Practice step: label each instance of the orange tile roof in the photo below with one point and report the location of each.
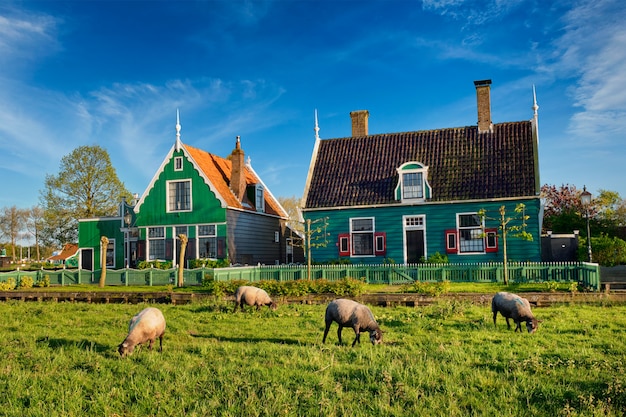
(217, 170)
(68, 251)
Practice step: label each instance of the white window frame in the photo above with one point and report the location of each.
(178, 163)
(418, 192)
(110, 249)
(354, 233)
(209, 234)
(171, 199)
(150, 239)
(476, 233)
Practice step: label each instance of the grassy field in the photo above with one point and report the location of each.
(60, 359)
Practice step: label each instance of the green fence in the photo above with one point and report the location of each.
(586, 274)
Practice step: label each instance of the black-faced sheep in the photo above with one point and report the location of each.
(145, 326)
(348, 313)
(252, 296)
(514, 307)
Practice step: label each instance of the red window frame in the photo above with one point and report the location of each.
(343, 244)
(382, 238)
(452, 241)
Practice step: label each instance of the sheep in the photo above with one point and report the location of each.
(145, 326)
(348, 313)
(252, 296)
(514, 307)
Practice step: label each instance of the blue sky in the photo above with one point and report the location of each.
(113, 73)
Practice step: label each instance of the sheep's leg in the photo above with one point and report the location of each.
(519, 326)
(508, 325)
(495, 313)
(161, 343)
(357, 337)
(150, 344)
(339, 334)
(328, 323)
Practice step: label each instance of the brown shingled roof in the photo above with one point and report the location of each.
(217, 170)
(463, 164)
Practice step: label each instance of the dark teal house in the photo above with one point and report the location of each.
(406, 196)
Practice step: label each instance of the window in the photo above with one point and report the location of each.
(179, 195)
(156, 243)
(412, 185)
(344, 244)
(259, 196)
(181, 230)
(110, 256)
(362, 236)
(207, 241)
(381, 243)
(178, 163)
(471, 237)
(276, 237)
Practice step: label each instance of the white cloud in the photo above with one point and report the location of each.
(593, 49)
(25, 37)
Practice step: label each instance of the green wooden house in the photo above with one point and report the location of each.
(407, 196)
(220, 205)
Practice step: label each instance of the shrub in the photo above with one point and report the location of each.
(7, 285)
(607, 251)
(434, 289)
(437, 258)
(155, 264)
(26, 282)
(208, 263)
(43, 282)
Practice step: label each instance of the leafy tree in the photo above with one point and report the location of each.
(292, 206)
(607, 251)
(86, 186)
(12, 222)
(505, 227)
(563, 209)
(611, 212)
(34, 226)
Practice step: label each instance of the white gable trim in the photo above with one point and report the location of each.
(166, 160)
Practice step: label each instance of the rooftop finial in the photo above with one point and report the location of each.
(535, 105)
(317, 128)
(177, 130)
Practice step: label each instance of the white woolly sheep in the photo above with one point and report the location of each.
(348, 313)
(145, 326)
(252, 296)
(514, 307)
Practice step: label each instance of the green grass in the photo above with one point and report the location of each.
(60, 359)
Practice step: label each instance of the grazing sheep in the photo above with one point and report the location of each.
(348, 313)
(144, 327)
(514, 307)
(252, 296)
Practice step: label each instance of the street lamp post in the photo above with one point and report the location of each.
(585, 198)
(127, 219)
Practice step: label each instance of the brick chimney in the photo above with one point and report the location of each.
(237, 173)
(359, 122)
(483, 98)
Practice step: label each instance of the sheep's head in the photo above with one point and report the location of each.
(376, 336)
(125, 348)
(273, 306)
(531, 325)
